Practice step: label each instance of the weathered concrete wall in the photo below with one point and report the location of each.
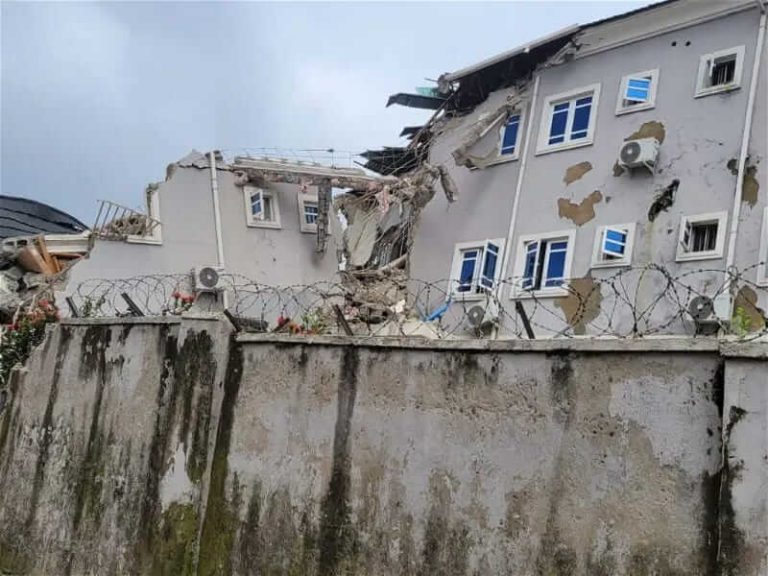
(744, 509)
(104, 445)
(164, 448)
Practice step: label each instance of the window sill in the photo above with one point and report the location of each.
(566, 146)
(519, 294)
(622, 111)
(701, 93)
(133, 239)
(307, 230)
(711, 255)
(503, 160)
(618, 264)
(272, 225)
(459, 297)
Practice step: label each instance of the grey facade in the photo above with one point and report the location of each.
(275, 253)
(574, 192)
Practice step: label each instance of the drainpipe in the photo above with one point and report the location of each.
(216, 210)
(737, 199)
(508, 248)
(217, 219)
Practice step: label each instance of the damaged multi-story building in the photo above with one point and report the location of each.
(598, 170)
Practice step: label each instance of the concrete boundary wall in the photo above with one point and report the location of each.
(169, 446)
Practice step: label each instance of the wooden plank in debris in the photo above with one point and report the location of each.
(31, 260)
(50, 261)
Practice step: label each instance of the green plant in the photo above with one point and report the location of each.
(741, 322)
(92, 307)
(22, 336)
(313, 323)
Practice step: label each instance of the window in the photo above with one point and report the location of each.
(702, 236)
(543, 264)
(762, 266)
(510, 133)
(308, 212)
(569, 119)
(637, 92)
(720, 71)
(476, 268)
(261, 208)
(613, 246)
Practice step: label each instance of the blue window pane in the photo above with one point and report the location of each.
(556, 266)
(580, 122)
(489, 265)
(614, 242)
(559, 120)
(556, 246)
(310, 214)
(510, 135)
(467, 271)
(255, 206)
(532, 252)
(561, 107)
(638, 89)
(584, 101)
(616, 236)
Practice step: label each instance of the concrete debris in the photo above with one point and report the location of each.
(461, 155)
(30, 266)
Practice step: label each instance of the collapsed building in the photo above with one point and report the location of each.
(609, 178)
(39, 244)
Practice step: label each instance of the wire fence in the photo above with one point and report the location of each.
(629, 302)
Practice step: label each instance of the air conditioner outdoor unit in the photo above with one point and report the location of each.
(483, 317)
(208, 278)
(709, 314)
(641, 152)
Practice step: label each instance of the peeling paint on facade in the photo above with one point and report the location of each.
(582, 305)
(582, 212)
(652, 129)
(576, 172)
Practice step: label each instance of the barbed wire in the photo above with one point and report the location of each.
(628, 302)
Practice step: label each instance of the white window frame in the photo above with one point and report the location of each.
(251, 220)
(155, 237)
(721, 218)
(543, 146)
(473, 293)
(520, 293)
(762, 267)
(705, 66)
(621, 108)
(303, 198)
(626, 259)
(520, 127)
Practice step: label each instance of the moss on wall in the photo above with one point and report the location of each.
(337, 535)
(13, 560)
(175, 546)
(221, 518)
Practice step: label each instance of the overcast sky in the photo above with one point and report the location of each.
(97, 98)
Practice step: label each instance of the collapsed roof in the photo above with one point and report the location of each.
(24, 217)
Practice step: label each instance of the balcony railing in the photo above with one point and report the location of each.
(116, 222)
